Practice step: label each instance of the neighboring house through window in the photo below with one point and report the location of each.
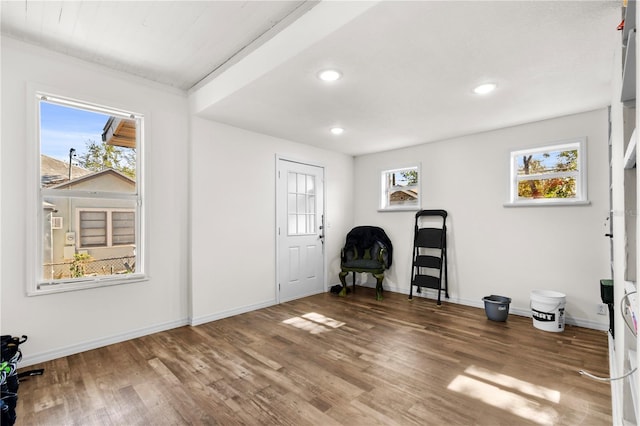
(90, 227)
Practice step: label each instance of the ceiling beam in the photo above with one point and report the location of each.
(314, 25)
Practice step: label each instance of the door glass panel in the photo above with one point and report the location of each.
(310, 184)
(292, 199)
(301, 203)
(292, 224)
(311, 205)
(291, 184)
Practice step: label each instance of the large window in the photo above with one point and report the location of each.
(89, 195)
(553, 174)
(400, 189)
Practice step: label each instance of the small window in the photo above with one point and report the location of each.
(553, 174)
(93, 229)
(123, 229)
(90, 202)
(106, 228)
(400, 189)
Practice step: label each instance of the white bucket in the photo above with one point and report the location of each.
(547, 310)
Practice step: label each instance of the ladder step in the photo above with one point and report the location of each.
(426, 281)
(423, 261)
(429, 238)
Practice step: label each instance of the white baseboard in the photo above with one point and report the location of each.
(433, 294)
(31, 359)
(231, 312)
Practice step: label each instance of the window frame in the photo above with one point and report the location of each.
(384, 203)
(36, 283)
(581, 198)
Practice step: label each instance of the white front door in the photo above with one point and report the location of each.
(300, 207)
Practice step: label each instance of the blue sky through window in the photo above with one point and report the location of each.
(549, 163)
(400, 179)
(63, 128)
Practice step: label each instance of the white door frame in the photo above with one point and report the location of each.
(278, 158)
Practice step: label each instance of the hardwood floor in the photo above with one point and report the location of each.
(325, 360)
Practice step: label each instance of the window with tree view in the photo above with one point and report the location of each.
(90, 198)
(550, 174)
(400, 189)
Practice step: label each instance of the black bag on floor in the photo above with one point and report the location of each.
(9, 382)
(10, 346)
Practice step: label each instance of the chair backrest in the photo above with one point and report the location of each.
(363, 240)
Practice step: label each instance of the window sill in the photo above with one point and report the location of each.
(399, 209)
(547, 203)
(84, 284)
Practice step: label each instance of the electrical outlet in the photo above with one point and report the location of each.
(602, 309)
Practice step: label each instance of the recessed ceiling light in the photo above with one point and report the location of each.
(337, 130)
(485, 88)
(329, 75)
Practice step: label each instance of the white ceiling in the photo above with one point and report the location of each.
(409, 67)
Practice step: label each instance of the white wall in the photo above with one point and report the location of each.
(197, 264)
(233, 215)
(493, 249)
(63, 323)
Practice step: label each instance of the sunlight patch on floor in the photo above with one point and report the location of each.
(511, 401)
(319, 318)
(513, 383)
(314, 323)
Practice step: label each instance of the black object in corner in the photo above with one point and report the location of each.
(430, 253)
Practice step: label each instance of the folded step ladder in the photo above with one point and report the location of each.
(430, 253)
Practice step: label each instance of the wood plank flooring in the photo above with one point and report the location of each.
(325, 360)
